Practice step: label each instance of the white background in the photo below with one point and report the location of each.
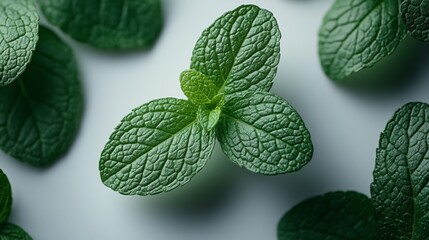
(68, 200)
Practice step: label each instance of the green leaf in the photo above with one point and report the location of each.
(333, 216)
(156, 148)
(415, 14)
(356, 34)
(40, 112)
(10, 231)
(208, 118)
(5, 197)
(19, 24)
(400, 190)
(197, 87)
(119, 24)
(240, 50)
(263, 133)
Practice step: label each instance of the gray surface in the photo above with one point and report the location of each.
(68, 201)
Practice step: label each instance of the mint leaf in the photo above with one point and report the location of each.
(197, 87)
(40, 112)
(156, 148)
(19, 25)
(120, 24)
(264, 134)
(164, 143)
(10, 231)
(208, 118)
(400, 190)
(415, 14)
(240, 50)
(333, 216)
(5, 197)
(356, 34)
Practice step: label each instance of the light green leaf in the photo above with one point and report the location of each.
(156, 148)
(119, 24)
(208, 118)
(197, 87)
(40, 112)
(333, 216)
(218, 100)
(240, 50)
(400, 190)
(5, 197)
(415, 14)
(263, 133)
(356, 34)
(10, 231)
(19, 24)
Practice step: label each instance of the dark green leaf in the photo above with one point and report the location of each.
(240, 50)
(356, 34)
(119, 24)
(333, 216)
(400, 190)
(12, 232)
(198, 87)
(40, 112)
(415, 14)
(5, 197)
(19, 24)
(156, 148)
(263, 133)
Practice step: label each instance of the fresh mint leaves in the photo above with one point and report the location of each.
(5, 197)
(42, 103)
(356, 34)
(162, 144)
(336, 216)
(40, 112)
(8, 231)
(119, 24)
(400, 192)
(156, 148)
(240, 51)
(19, 24)
(197, 87)
(415, 14)
(264, 134)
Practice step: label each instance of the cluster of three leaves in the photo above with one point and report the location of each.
(399, 208)
(40, 93)
(164, 143)
(8, 230)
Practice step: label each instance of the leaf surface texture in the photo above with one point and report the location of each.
(197, 87)
(333, 216)
(400, 190)
(156, 148)
(356, 34)
(118, 24)
(5, 197)
(240, 50)
(40, 112)
(264, 134)
(19, 24)
(13, 232)
(415, 14)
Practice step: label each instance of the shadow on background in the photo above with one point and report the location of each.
(393, 73)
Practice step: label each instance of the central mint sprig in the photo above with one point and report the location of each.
(162, 144)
